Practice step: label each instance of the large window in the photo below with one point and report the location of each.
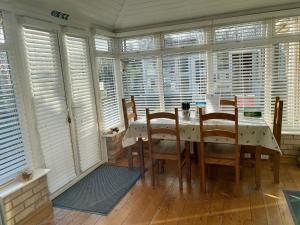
(108, 92)
(141, 79)
(229, 60)
(286, 82)
(12, 148)
(240, 73)
(185, 79)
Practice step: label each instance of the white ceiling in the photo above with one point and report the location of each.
(126, 14)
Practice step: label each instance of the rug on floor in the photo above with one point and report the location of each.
(100, 191)
(293, 200)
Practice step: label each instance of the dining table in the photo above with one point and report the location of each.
(253, 131)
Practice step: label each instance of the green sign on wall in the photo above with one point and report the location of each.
(60, 15)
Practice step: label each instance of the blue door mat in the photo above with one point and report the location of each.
(100, 191)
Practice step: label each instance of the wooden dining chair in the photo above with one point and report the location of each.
(167, 150)
(273, 155)
(215, 153)
(130, 114)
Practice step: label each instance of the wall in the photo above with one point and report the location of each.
(290, 144)
(26, 202)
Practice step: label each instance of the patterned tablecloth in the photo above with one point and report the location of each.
(252, 131)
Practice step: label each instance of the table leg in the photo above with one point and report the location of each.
(141, 157)
(276, 166)
(258, 167)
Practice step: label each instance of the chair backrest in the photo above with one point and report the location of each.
(229, 102)
(277, 123)
(129, 115)
(169, 130)
(214, 132)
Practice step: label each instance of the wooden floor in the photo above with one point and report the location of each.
(224, 204)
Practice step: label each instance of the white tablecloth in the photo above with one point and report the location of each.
(252, 131)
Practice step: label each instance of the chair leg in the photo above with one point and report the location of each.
(188, 160)
(276, 166)
(141, 158)
(237, 173)
(258, 167)
(161, 166)
(202, 169)
(152, 172)
(130, 158)
(179, 168)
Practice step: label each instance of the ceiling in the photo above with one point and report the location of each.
(127, 14)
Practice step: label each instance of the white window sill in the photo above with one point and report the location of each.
(121, 129)
(17, 185)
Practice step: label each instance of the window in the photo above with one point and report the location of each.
(240, 32)
(139, 44)
(108, 92)
(241, 73)
(289, 25)
(12, 147)
(286, 82)
(140, 79)
(185, 79)
(103, 44)
(186, 38)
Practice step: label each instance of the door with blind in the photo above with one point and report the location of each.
(48, 95)
(83, 101)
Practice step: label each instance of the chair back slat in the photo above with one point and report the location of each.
(219, 115)
(229, 102)
(162, 115)
(128, 116)
(277, 122)
(131, 116)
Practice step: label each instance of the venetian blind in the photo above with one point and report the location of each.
(50, 105)
(185, 38)
(140, 79)
(108, 92)
(285, 26)
(240, 32)
(103, 44)
(138, 44)
(83, 105)
(185, 79)
(286, 82)
(241, 73)
(12, 151)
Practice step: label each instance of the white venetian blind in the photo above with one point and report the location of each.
(285, 26)
(108, 93)
(286, 82)
(240, 32)
(50, 105)
(140, 79)
(138, 44)
(12, 151)
(103, 44)
(84, 107)
(185, 79)
(184, 38)
(241, 73)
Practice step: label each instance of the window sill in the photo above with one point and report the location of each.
(17, 185)
(105, 135)
(290, 132)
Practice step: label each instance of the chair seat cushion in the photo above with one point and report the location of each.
(225, 151)
(167, 147)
